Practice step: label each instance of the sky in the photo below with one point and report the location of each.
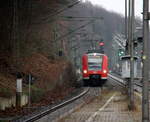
(118, 6)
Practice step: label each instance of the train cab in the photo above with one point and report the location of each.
(94, 68)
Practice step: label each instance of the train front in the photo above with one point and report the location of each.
(94, 68)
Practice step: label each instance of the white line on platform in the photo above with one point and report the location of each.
(138, 94)
(90, 119)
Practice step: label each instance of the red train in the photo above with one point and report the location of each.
(94, 68)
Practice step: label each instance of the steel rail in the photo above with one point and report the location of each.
(119, 80)
(48, 111)
(123, 82)
(137, 84)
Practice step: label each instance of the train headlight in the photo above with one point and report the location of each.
(104, 71)
(84, 71)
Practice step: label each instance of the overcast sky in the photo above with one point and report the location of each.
(118, 5)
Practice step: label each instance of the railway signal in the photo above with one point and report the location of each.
(121, 52)
(101, 44)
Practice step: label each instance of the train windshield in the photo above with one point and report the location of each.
(94, 62)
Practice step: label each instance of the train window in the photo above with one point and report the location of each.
(94, 62)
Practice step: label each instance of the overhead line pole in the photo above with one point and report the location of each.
(130, 52)
(127, 17)
(132, 58)
(126, 28)
(145, 57)
(129, 25)
(128, 46)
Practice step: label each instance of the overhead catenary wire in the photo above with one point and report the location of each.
(67, 34)
(53, 17)
(46, 19)
(82, 17)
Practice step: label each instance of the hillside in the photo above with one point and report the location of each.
(28, 29)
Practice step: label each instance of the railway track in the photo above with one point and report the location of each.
(103, 107)
(137, 86)
(35, 117)
(86, 91)
(123, 82)
(117, 80)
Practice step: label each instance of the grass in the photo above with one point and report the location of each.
(36, 93)
(5, 92)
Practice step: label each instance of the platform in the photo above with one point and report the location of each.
(113, 107)
(115, 110)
